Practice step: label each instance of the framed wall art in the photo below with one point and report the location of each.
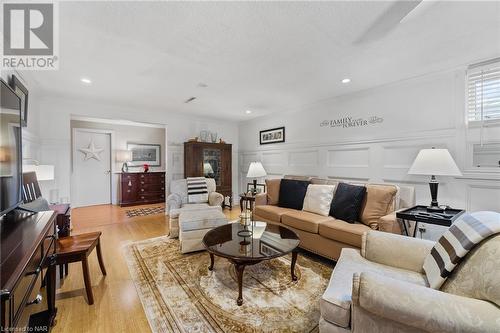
(273, 135)
(22, 92)
(145, 154)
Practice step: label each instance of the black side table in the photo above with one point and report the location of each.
(420, 214)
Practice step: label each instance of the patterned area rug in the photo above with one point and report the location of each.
(145, 211)
(179, 293)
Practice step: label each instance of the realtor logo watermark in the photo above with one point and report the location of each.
(30, 36)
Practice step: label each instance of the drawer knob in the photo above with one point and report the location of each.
(129, 183)
(38, 299)
(35, 272)
(142, 189)
(142, 197)
(142, 183)
(128, 191)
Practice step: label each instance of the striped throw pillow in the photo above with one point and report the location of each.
(468, 231)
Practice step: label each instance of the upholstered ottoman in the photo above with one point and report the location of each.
(194, 224)
(174, 215)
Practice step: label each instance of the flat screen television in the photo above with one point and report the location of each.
(11, 173)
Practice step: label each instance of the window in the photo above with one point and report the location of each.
(483, 91)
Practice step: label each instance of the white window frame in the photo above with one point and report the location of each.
(474, 70)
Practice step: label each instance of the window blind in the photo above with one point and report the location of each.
(483, 91)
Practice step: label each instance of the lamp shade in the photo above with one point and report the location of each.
(256, 170)
(434, 162)
(43, 172)
(207, 168)
(123, 155)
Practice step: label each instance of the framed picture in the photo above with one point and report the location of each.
(22, 92)
(273, 135)
(144, 154)
(261, 188)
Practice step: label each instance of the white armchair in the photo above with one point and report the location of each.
(383, 288)
(177, 201)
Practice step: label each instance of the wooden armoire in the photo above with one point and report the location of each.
(211, 160)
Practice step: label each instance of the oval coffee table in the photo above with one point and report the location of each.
(263, 241)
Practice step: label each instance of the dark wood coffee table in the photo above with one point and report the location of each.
(268, 241)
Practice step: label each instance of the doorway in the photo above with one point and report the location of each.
(91, 177)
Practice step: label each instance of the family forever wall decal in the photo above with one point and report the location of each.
(348, 122)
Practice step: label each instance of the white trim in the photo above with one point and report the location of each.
(116, 121)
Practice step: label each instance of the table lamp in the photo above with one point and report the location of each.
(255, 170)
(434, 162)
(124, 156)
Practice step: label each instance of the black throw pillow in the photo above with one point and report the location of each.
(292, 193)
(347, 202)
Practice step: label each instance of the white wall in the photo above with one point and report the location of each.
(418, 113)
(55, 134)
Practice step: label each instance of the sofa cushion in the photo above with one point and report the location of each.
(273, 191)
(270, 212)
(304, 220)
(318, 199)
(335, 304)
(341, 231)
(379, 201)
(292, 193)
(347, 202)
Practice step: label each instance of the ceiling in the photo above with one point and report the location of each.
(261, 56)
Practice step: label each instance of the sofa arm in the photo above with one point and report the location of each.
(390, 223)
(174, 201)
(422, 307)
(261, 199)
(215, 199)
(395, 250)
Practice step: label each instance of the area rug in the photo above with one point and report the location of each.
(145, 211)
(179, 293)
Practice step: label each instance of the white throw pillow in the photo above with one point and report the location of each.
(318, 199)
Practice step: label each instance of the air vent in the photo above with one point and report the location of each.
(189, 100)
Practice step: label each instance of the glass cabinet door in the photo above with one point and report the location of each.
(212, 164)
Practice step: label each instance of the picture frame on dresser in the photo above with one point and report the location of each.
(144, 153)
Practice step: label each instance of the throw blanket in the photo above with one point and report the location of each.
(456, 242)
(197, 190)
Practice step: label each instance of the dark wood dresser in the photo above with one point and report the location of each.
(138, 188)
(28, 255)
(212, 160)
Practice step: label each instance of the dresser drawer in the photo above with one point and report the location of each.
(152, 188)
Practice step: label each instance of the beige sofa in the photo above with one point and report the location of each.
(326, 235)
(380, 289)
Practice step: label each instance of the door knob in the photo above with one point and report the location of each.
(107, 172)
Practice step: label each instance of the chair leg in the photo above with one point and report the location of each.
(61, 271)
(86, 279)
(66, 269)
(99, 257)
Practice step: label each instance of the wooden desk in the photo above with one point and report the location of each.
(27, 248)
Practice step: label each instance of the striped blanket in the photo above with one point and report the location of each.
(456, 242)
(197, 190)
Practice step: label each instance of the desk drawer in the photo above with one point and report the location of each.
(23, 289)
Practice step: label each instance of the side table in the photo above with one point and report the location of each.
(247, 201)
(420, 214)
(63, 220)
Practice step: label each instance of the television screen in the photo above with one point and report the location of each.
(10, 149)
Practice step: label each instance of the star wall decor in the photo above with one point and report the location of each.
(92, 152)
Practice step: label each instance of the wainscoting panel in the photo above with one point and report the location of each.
(378, 161)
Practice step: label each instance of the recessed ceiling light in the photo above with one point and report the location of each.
(346, 80)
(202, 85)
(248, 111)
(86, 80)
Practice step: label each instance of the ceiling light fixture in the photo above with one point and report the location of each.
(248, 111)
(86, 80)
(346, 80)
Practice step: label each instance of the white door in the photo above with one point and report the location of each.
(91, 168)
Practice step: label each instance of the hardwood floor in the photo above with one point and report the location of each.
(117, 307)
